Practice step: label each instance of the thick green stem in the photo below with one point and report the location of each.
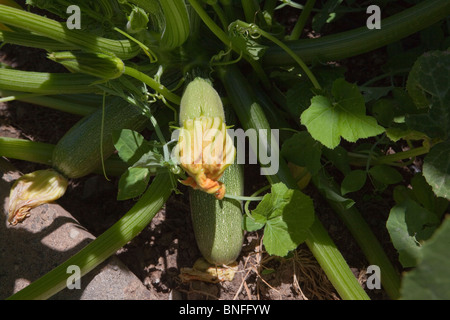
(221, 15)
(321, 245)
(124, 230)
(351, 43)
(363, 235)
(31, 40)
(40, 152)
(26, 150)
(300, 24)
(123, 49)
(399, 156)
(60, 103)
(46, 83)
(390, 159)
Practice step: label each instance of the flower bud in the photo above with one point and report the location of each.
(200, 99)
(32, 190)
(95, 64)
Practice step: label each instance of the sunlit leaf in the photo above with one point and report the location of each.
(327, 121)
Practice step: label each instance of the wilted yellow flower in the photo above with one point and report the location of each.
(32, 190)
(204, 147)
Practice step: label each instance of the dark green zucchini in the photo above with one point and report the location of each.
(78, 152)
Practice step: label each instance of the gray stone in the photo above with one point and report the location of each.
(48, 237)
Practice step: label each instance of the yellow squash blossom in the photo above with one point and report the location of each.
(204, 147)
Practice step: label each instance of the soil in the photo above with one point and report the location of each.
(158, 253)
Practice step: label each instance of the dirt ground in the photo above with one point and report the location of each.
(158, 253)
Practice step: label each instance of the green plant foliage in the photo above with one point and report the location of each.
(143, 160)
(303, 151)
(430, 280)
(409, 224)
(344, 116)
(436, 169)
(353, 181)
(429, 87)
(286, 215)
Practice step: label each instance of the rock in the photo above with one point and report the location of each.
(48, 237)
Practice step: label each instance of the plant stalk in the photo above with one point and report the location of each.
(40, 152)
(60, 103)
(123, 49)
(354, 42)
(363, 235)
(158, 87)
(46, 83)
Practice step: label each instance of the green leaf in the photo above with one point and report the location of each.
(436, 169)
(429, 86)
(430, 280)
(425, 196)
(150, 160)
(374, 93)
(339, 158)
(133, 183)
(385, 174)
(397, 133)
(383, 111)
(346, 117)
(409, 224)
(435, 123)
(329, 191)
(298, 98)
(130, 145)
(300, 93)
(249, 224)
(302, 150)
(137, 20)
(287, 215)
(430, 75)
(353, 181)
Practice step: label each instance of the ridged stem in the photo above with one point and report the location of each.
(363, 235)
(46, 83)
(61, 103)
(40, 152)
(123, 49)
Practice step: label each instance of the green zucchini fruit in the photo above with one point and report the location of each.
(218, 223)
(78, 152)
